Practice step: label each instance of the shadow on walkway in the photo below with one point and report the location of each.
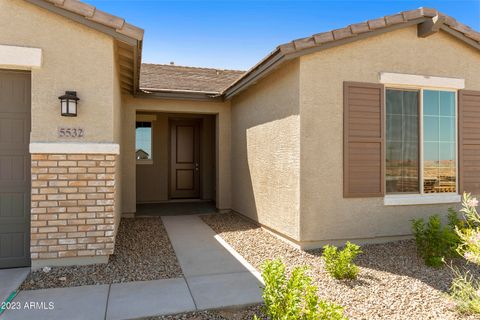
(175, 209)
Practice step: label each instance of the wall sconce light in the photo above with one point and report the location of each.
(68, 104)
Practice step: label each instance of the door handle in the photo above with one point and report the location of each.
(196, 166)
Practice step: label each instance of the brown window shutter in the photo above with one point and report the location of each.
(364, 143)
(469, 141)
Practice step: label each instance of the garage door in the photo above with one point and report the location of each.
(14, 169)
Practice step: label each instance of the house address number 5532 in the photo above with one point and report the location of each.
(71, 132)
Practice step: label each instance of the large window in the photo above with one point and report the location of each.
(420, 141)
(143, 142)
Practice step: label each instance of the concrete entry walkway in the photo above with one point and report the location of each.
(215, 277)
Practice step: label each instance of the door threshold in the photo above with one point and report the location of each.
(177, 201)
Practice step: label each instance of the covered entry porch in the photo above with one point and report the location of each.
(174, 152)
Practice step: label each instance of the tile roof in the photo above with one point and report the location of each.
(92, 13)
(157, 77)
(351, 32)
(161, 77)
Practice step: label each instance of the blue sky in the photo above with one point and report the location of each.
(237, 34)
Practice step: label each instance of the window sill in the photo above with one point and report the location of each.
(414, 199)
(144, 161)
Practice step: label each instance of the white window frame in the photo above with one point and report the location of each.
(145, 161)
(422, 197)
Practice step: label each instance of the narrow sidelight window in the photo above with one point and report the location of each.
(439, 135)
(402, 136)
(421, 144)
(143, 142)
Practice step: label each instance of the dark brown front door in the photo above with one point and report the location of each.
(14, 169)
(184, 159)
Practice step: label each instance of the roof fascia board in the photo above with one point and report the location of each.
(153, 90)
(137, 53)
(80, 19)
(275, 62)
(460, 36)
(179, 96)
(262, 70)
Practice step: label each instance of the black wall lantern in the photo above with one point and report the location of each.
(68, 104)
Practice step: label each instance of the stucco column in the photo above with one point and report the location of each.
(223, 155)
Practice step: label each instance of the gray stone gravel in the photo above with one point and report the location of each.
(245, 313)
(393, 282)
(142, 252)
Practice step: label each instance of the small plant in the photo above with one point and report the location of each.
(469, 235)
(294, 297)
(434, 241)
(465, 290)
(339, 263)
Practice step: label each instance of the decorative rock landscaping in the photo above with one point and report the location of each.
(223, 314)
(393, 282)
(142, 252)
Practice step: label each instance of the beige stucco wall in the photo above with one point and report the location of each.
(266, 151)
(75, 57)
(117, 138)
(325, 214)
(221, 111)
(152, 179)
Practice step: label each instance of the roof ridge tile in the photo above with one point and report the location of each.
(107, 19)
(92, 13)
(79, 7)
(343, 33)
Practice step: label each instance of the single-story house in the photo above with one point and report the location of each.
(343, 135)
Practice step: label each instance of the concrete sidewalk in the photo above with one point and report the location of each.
(214, 277)
(10, 280)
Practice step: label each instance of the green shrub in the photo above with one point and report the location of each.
(435, 241)
(294, 297)
(339, 263)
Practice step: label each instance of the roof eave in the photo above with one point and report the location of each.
(133, 39)
(290, 51)
(179, 95)
(269, 63)
(130, 40)
(279, 56)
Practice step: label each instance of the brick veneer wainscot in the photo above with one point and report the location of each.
(72, 205)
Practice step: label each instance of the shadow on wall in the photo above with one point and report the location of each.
(265, 149)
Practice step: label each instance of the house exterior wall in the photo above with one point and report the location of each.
(74, 198)
(221, 111)
(266, 151)
(75, 57)
(327, 217)
(152, 180)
